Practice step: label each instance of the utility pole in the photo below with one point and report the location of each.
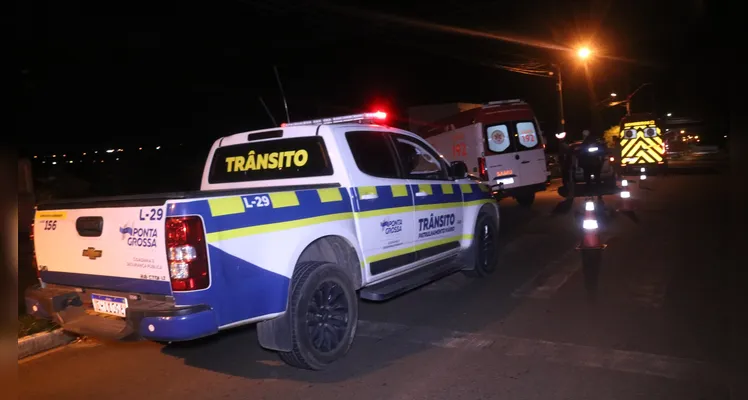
(560, 88)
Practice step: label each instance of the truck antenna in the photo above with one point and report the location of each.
(283, 95)
(267, 110)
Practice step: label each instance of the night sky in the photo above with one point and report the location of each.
(124, 74)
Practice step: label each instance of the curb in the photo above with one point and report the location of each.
(42, 341)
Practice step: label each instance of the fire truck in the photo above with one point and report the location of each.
(642, 144)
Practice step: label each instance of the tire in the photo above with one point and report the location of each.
(314, 284)
(526, 199)
(485, 247)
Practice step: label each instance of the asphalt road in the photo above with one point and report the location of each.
(655, 328)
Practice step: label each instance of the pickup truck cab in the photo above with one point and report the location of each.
(291, 226)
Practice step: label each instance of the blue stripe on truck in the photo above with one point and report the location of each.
(115, 283)
(310, 203)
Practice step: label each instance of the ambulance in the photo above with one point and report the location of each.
(501, 144)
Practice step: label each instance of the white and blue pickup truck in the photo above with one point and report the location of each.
(291, 226)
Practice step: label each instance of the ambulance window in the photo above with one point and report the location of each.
(498, 138)
(527, 137)
(373, 153)
(418, 160)
(270, 159)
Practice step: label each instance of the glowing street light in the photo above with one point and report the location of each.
(669, 114)
(613, 95)
(584, 53)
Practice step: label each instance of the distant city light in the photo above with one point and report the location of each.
(725, 136)
(84, 154)
(110, 151)
(117, 159)
(54, 162)
(54, 155)
(613, 95)
(35, 156)
(158, 147)
(682, 131)
(669, 114)
(140, 148)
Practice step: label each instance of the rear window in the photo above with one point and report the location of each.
(526, 135)
(273, 159)
(498, 138)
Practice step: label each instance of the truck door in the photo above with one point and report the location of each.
(384, 205)
(437, 199)
(530, 156)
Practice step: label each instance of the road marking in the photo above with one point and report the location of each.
(674, 368)
(547, 282)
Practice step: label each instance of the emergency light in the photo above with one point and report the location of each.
(371, 116)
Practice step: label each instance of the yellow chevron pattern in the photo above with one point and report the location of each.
(641, 149)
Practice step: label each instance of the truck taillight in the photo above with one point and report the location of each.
(482, 168)
(187, 253)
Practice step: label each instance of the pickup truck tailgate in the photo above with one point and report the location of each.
(111, 248)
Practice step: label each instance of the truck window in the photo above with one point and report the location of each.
(271, 159)
(527, 136)
(498, 138)
(373, 154)
(418, 160)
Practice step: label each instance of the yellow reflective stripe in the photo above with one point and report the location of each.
(364, 190)
(284, 199)
(644, 155)
(225, 206)
(420, 246)
(437, 206)
(278, 226)
(389, 254)
(384, 211)
(399, 190)
(483, 188)
(447, 188)
(329, 195)
(466, 188)
(625, 151)
(654, 153)
(425, 188)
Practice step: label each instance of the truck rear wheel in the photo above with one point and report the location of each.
(485, 247)
(324, 315)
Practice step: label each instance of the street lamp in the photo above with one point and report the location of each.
(669, 114)
(583, 53)
(613, 95)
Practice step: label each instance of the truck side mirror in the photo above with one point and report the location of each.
(458, 169)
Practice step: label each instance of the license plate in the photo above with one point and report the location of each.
(505, 181)
(109, 305)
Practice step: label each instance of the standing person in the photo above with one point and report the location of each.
(617, 169)
(591, 163)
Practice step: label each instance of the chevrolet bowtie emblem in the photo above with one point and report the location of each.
(91, 253)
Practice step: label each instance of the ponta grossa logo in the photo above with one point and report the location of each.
(139, 237)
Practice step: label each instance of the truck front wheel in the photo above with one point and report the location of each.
(485, 247)
(324, 315)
